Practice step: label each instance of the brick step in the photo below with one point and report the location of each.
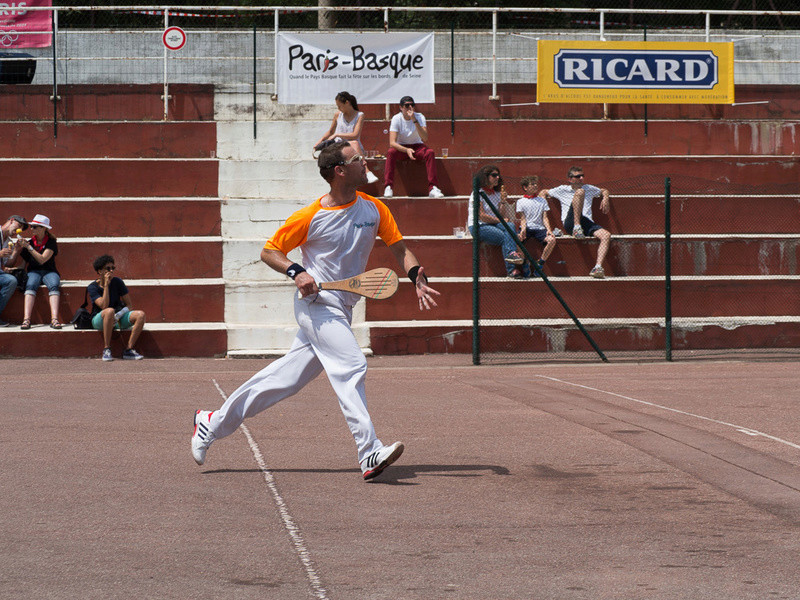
(627, 257)
(182, 301)
(107, 102)
(473, 101)
(630, 214)
(694, 335)
(122, 217)
(57, 178)
(644, 174)
(137, 258)
(158, 340)
(603, 137)
(180, 139)
(619, 298)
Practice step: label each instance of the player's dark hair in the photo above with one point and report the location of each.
(483, 177)
(526, 181)
(347, 97)
(102, 261)
(330, 158)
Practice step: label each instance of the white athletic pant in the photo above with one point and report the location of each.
(325, 341)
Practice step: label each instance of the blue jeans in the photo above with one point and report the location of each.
(7, 284)
(495, 234)
(50, 279)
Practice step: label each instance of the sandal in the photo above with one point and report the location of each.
(55, 324)
(26, 324)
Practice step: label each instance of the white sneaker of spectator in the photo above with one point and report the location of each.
(435, 193)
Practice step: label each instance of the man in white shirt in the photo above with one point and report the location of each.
(408, 133)
(576, 198)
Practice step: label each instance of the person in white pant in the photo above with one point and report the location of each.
(335, 234)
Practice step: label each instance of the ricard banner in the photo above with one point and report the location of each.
(21, 28)
(635, 72)
(377, 68)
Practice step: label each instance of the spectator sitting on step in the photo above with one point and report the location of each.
(112, 308)
(408, 133)
(346, 125)
(492, 231)
(576, 198)
(532, 211)
(39, 252)
(9, 251)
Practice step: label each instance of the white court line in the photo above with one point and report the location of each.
(288, 521)
(740, 429)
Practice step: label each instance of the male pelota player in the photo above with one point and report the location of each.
(335, 234)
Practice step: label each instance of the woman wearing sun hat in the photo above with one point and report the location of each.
(39, 253)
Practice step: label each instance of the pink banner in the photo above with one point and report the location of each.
(21, 28)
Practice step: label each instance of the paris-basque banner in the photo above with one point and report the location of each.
(377, 68)
(635, 72)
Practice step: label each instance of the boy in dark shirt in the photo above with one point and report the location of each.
(112, 307)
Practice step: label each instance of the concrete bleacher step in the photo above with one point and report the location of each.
(630, 213)
(158, 340)
(163, 300)
(123, 217)
(617, 297)
(110, 177)
(628, 256)
(561, 335)
(519, 137)
(753, 171)
(107, 102)
(123, 139)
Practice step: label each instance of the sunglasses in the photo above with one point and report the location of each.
(111, 268)
(37, 226)
(494, 174)
(352, 159)
(409, 105)
(578, 176)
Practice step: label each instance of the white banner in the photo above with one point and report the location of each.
(377, 68)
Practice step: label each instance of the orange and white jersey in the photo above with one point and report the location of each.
(336, 242)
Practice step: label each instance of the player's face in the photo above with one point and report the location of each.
(355, 167)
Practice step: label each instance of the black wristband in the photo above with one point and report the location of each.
(412, 275)
(294, 270)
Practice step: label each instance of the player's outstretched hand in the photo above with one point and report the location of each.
(306, 284)
(425, 293)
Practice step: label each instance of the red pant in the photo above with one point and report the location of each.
(421, 152)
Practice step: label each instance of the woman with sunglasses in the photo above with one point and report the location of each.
(492, 230)
(39, 252)
(346, 125)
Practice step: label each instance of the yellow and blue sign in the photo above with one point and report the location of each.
(635, 72)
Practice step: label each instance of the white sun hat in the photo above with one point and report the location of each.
(41, 220)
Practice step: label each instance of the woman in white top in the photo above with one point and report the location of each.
(346, 126)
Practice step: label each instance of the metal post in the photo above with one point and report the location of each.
(476, 273)
(55, 98)
(452, 79)
(255, 81)
(708, 27)
(275, 54)
(667, 271)
(166, 85)
(494, 56)
(645, 106)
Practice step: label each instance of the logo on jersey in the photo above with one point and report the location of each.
(360, 225)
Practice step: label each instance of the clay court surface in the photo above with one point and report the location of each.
(581, 481)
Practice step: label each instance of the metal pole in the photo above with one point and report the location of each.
(667, 270)
(55, 98)
(255, 80)
(494, 56)
(645, 106)
(708, 27)
(452, 80)
(275, 53)
(476, 273)
(166, 85)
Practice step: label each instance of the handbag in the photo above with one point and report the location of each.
(22, 277)
(82, 319)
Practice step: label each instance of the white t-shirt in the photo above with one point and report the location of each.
(533, 209)
(406, 130)
(565, 193)
(494, 198)
(343, 126)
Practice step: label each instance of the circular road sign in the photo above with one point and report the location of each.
(174, 38)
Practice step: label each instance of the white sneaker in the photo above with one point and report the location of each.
(388, 192)
(202, 437)
(598, 273)
(435, 193)
(577, 233)
(371, 177)
(106, 356)
(375, 463)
